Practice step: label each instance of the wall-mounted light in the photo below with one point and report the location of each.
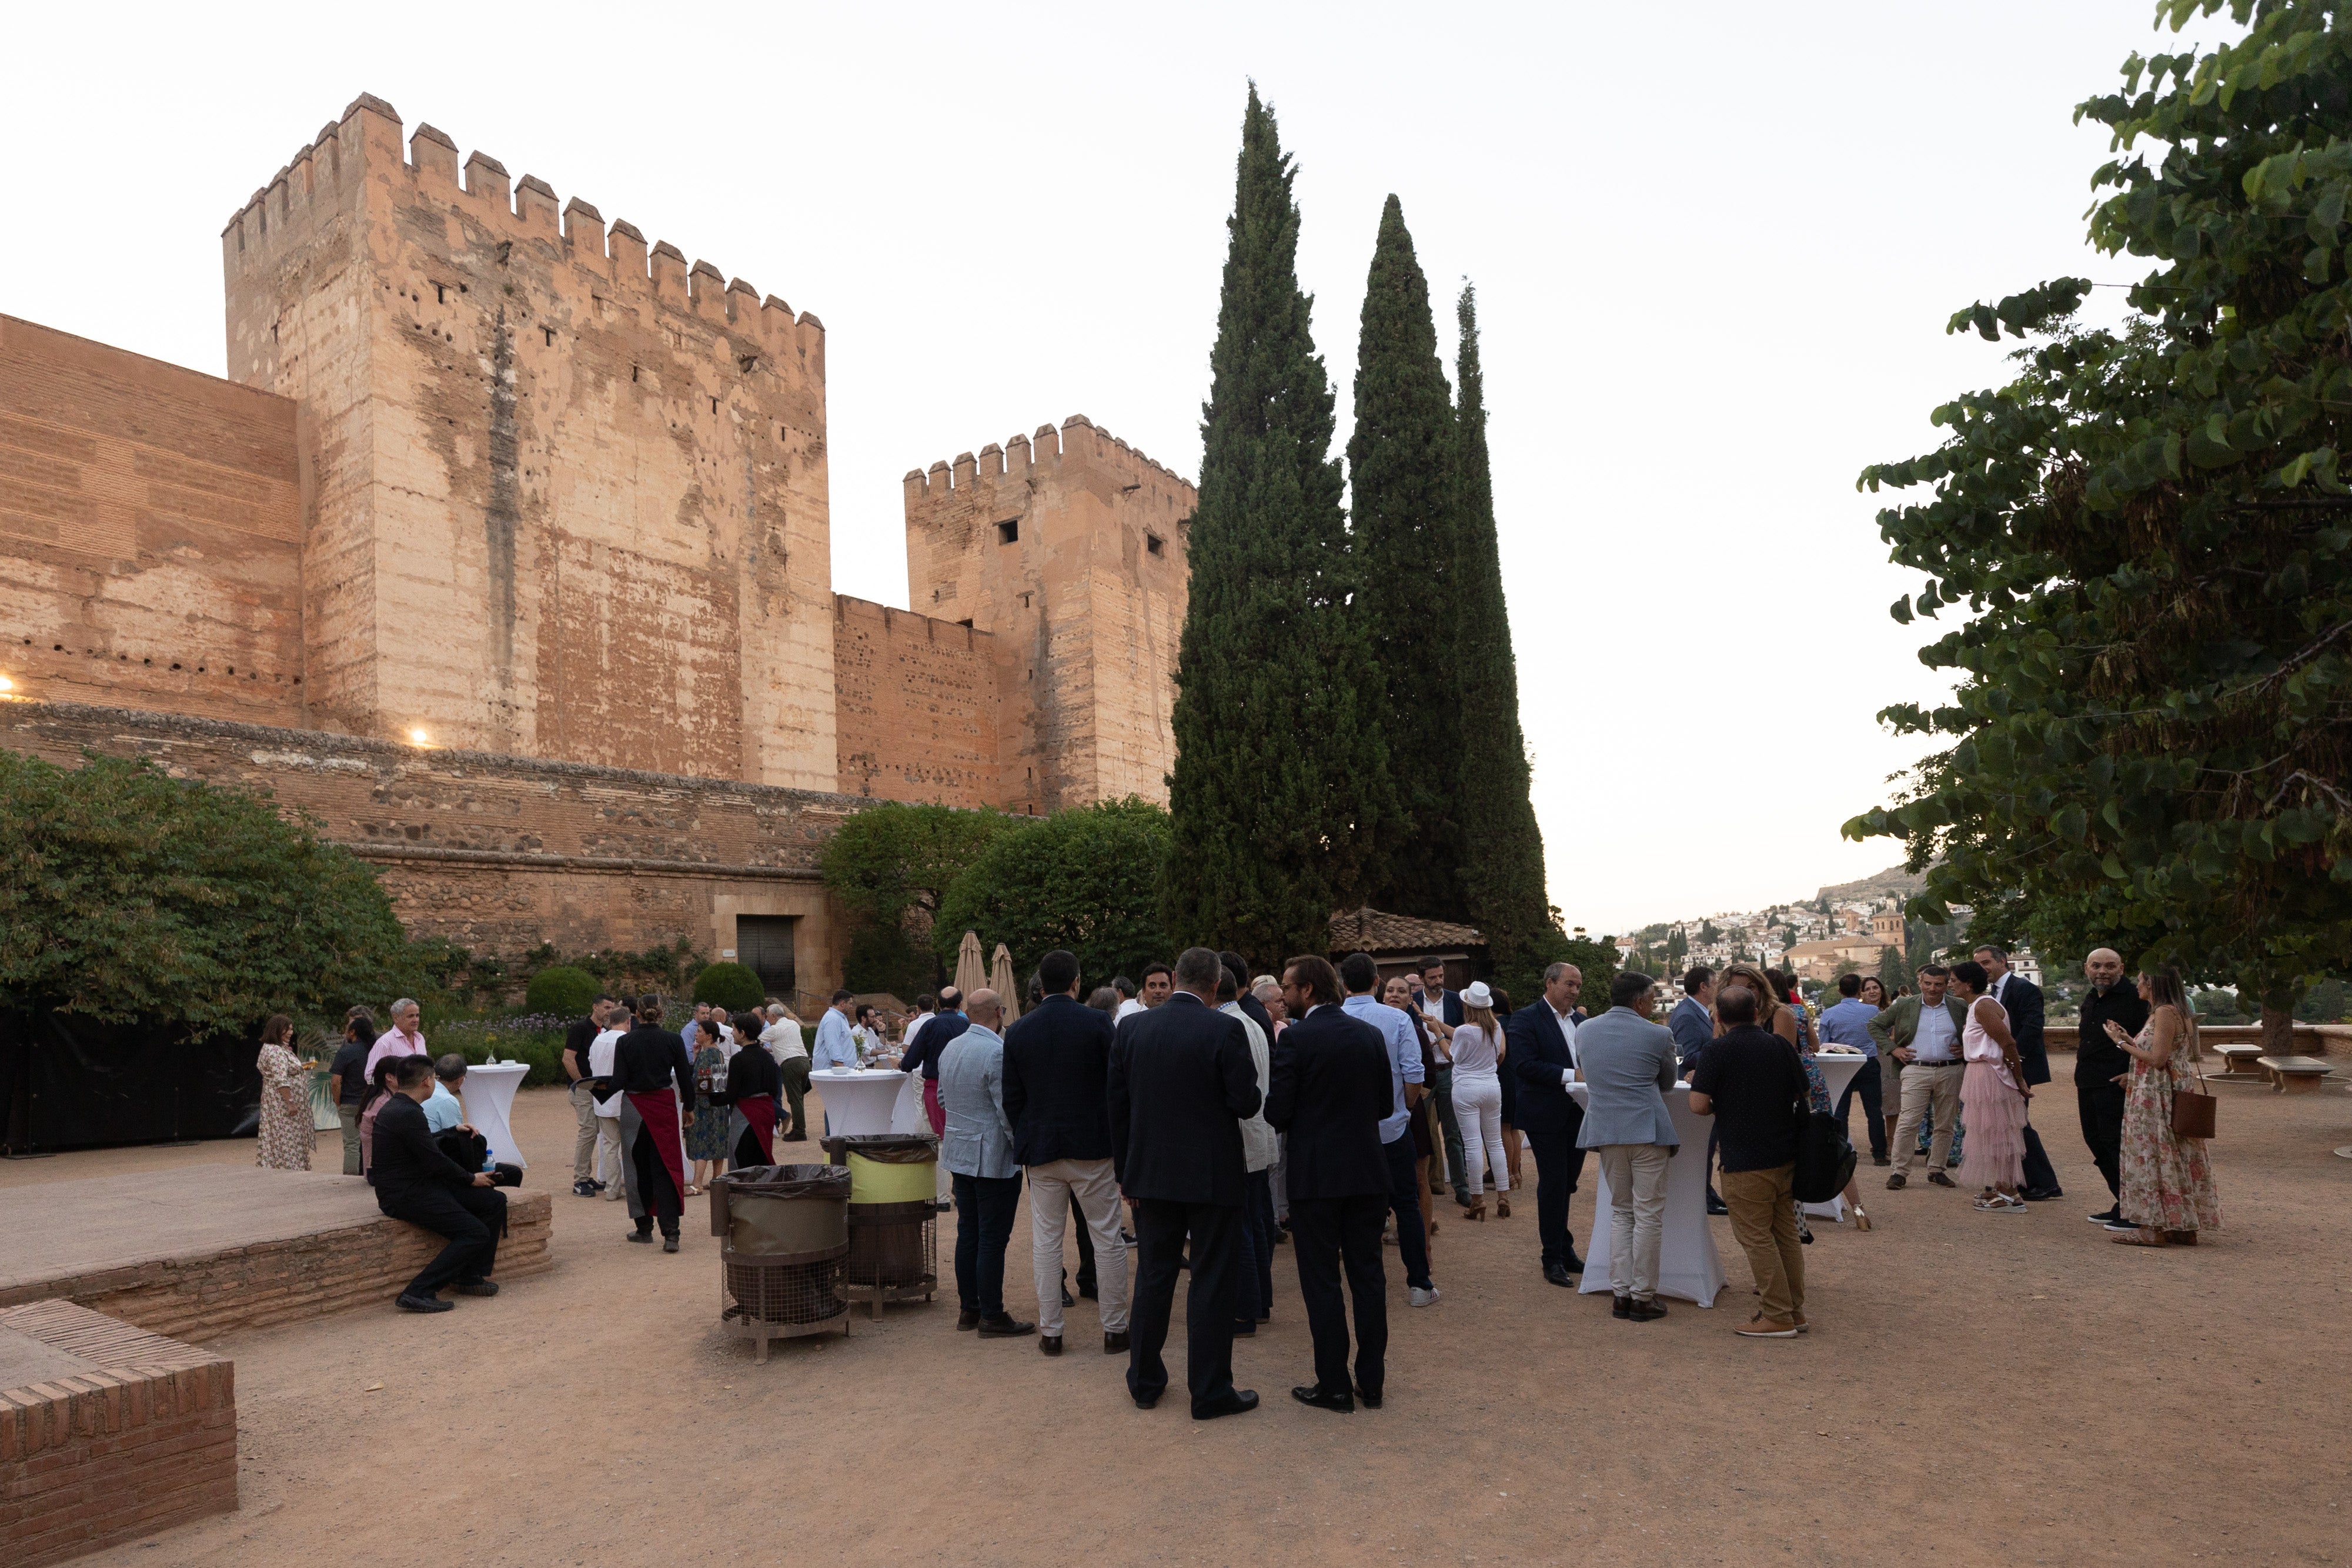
(6, 684)
(418, 737)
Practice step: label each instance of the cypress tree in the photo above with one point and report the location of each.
(1402, 499)
(1280, 782)
(1503, 869)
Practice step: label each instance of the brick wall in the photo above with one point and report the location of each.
(502, 853)
(150, 529)
(141, 1437)
(199, 1299)
(919, 708)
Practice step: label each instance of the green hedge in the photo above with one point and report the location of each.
(730, 986)
(563, 990)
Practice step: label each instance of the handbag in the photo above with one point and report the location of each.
(2192, 1109)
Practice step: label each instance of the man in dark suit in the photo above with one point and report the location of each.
(1441, 1007)
(2021, 1000)
(1694, 1026)
(417, 1182)
(1329, 1090)
(1181, 1078)
(1056, 1088)
(1542, 1056)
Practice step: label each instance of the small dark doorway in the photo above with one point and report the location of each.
(763, 945)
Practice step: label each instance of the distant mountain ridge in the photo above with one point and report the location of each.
(1892, 882)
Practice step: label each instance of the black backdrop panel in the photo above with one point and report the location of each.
(74, 1083)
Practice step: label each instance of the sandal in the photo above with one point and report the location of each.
(1502, 1207)
(2143, 1237)
(1475, 1212)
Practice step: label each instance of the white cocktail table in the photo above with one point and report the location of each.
(1838, 1070)
(859, 1102)
(1688, 1265)
(488, 1094)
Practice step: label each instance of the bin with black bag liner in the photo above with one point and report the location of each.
(783, 1233)
(893, 1221)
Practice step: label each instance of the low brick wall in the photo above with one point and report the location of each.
(134, 1433)
(202, 1297)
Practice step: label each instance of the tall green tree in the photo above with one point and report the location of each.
(2151, 534)
(1082, 879)
(1502, 858)
(1280, 789)
(1402, 494)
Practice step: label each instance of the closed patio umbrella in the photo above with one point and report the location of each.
(972, 970)
(1000, 977)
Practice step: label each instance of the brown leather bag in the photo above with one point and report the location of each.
(2192, 1109)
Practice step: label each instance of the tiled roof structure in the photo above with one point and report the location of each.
(1370, 930)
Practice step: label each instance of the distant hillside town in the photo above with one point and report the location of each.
(1852, 928)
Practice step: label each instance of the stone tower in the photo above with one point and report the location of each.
(566, 495)
(1070, 549)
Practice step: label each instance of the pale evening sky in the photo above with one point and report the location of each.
(1715, 245)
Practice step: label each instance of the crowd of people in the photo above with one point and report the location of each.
(1202, 1119)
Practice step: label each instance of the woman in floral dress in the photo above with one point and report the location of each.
(286, 1132)
(706, 1141)
(2167, 1183)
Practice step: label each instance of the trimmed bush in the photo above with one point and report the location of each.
(730, 986)
(563, 990)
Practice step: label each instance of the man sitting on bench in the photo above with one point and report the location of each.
(417, 1182)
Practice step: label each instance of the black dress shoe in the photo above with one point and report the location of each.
(1368, 1401)
(410, 1302)
(1004, 1325)
(2041, 1194)
(1086, 1289)
(1882, 1159)
(1714, 1205)
(1050, 1343)
(1068, 1299)
(1241, 1401)
(1144, 1401)
(1115, 1343)
(1244, 1328)
(1647, 1311)
(967, 1321)
(1558, 1274)
(1575, 1263)
(1623, 1307)
(478, 1287)
(669, 1243)
(1937, 1179)
(1343, 1402)
(644, 1236)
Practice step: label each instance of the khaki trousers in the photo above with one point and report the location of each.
(348, 1115)
(1928, 1089)
(1763, 1207)
(584, 1142)
(1050, 1188)
(1637, 1215)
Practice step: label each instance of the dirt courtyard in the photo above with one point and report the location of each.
(1977, 1389)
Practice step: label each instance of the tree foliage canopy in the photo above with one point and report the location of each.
(893, 857)
(1083, 879)
(134, 895)
(2152, 539)
(1280, 789)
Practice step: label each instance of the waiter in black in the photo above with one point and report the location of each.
(2103, 1070)
(417, 1182)
(1181, 1079)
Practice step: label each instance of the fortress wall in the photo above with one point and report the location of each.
(151, 533)
(919, 707)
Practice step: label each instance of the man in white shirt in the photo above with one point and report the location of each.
(782, 1038)
(924, 1006)
(1128, 1005)
(1253, 1302)
(1357, 976)
(1923, 1032)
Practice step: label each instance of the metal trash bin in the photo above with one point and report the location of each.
(893, 1221)
(785, 1250)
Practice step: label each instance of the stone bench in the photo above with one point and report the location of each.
(2294, 1074)
(2241, 1060)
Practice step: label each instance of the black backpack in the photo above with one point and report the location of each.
(1825, 1159)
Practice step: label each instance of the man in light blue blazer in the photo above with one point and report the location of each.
(1627, 1064)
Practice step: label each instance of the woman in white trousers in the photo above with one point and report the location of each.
(1478, 1100)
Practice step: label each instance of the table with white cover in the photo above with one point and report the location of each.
(1838, 1070)
(1688, 1265)
(488, 1094)
(858, 1101)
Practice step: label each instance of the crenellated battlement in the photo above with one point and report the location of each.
(1075, 449)
(326, 181)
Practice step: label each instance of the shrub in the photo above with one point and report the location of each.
(563, 990)
(881, 958)
(1083, 879)
(730, 986)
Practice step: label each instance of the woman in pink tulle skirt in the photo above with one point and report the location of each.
(1992, 1097)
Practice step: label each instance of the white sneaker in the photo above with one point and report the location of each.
(1427, 1297)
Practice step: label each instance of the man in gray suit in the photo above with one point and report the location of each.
(1627, 1063)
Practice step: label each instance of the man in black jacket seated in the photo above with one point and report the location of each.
(1181, 1078)
(417, 1182)
(1329, 1090)
(1056, 1078)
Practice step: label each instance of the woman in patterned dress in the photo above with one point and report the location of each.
(706, 1141)
(285, 1134)
(2168, 1182)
